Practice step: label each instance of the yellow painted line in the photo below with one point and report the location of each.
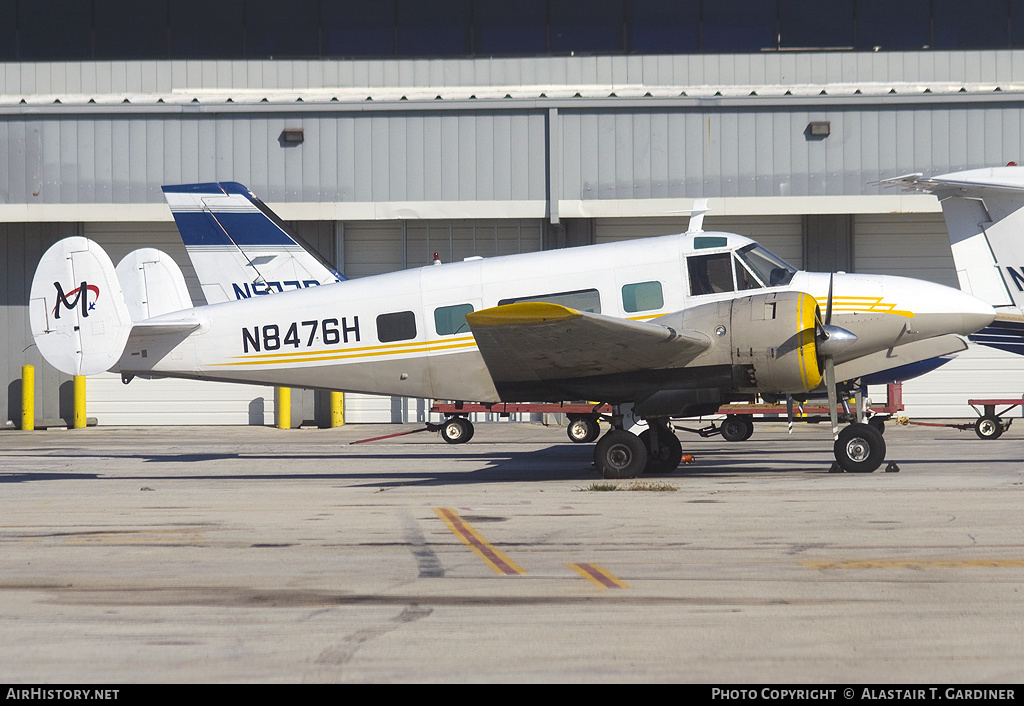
(492, 556)
(868, 305)
(915, 564)
(598, 576)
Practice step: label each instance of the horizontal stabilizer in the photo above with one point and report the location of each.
(532, 341)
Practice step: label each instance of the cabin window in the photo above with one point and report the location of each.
(588, 300)
(449, 320)
(710, 274)
(642, 296)
(397, 326)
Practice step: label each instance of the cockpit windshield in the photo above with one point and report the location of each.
(771, 269)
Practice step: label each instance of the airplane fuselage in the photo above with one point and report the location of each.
(404, 333)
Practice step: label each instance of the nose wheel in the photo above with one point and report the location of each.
(860, 448)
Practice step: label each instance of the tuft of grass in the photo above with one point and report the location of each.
(635, 485)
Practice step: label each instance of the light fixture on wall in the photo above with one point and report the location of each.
(819, 128)
(292, 136)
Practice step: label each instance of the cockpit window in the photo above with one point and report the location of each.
(772, 270)
(744, 278)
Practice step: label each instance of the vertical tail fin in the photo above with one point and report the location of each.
(984, 212)
(77, 313)
(152, 284)
(238, 246)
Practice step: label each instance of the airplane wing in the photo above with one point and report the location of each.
(531, 341)
(901, 355)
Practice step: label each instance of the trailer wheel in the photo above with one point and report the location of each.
(583, 430)
(737, 427)
(988, 427)
(457, 430)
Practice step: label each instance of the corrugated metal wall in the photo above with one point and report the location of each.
(710, 70)
(21, 246)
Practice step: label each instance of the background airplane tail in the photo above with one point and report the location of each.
(238, 246)
(77, 312)
(984, 213)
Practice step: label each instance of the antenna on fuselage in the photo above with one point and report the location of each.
(700, 207)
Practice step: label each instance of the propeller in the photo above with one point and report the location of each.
(830, 341)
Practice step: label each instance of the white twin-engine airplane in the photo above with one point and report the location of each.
(664, 327)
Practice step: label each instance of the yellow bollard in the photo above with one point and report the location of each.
(283, 407)
(28, 397)
(79, 418)
(337, 409)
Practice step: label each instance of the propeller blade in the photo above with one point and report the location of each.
(828, 305)
(833, 403)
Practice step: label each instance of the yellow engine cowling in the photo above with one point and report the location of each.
(773, 341)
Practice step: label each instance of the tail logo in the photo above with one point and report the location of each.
(79, 298)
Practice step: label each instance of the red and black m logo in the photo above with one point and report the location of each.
(80, 298)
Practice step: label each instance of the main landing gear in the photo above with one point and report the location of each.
(622, 454)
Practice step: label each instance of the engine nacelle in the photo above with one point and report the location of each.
(767, 339)
(773, 338)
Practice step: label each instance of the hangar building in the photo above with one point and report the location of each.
(482, 127)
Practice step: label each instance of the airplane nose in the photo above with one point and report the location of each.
(974, 313)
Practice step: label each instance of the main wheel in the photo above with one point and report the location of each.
(583, 430)
(988, 427)
(670, 452)
(878, 424)
(457, 430)
(737, 427)
(620, 454)
(859, 449)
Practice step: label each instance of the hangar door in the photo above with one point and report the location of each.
(917, 245)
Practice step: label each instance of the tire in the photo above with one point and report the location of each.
(737, 428)
(859, 449)
(878, 424)
(620, 454)
(988, 427)
(457, 430)
(670, 452)
(583, 430)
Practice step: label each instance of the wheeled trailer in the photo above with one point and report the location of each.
(583, 417)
